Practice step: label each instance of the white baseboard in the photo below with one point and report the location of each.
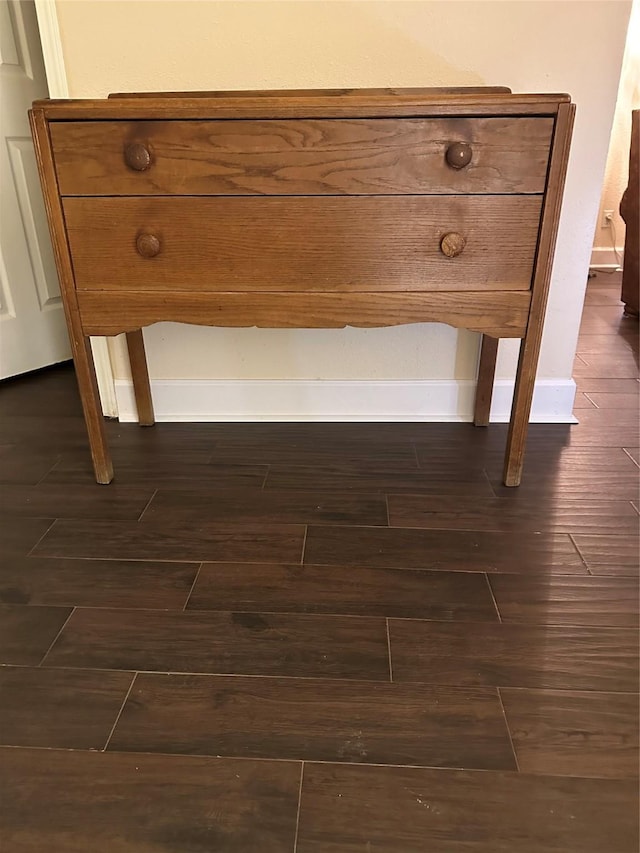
(339, 400)
(605, 258)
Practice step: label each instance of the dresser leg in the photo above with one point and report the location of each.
(90, 398)
(140, 376)
(486, 374)
(521, 409)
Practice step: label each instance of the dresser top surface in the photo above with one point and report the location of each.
(305, 103)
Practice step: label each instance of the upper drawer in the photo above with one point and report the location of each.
(302, 156)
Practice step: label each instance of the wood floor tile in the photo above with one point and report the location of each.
(117, 502)
(617, 365)
(225, 643)
(272, 507)
(356, 591)
(22, 465)
(509, 515)
(583, 402)
(389, 456)
(53, 389)
(63, 801)
(19, 537)
(53, 433)
(613, 402)
(26, 633)
(440, 550)
(604, 293)
(315, 720)
(96, 583)
(596, 348)
(590, 385)
(65, 708)
(158, 471)
(564, 491)
(558, 600)
(623, 341)
(576, 473)
(634, 453)
(610, 555)
(601, 419)
(123, 540)
(489, 655)
(595, 429)
(574, 734)
(327, 478)
(558, 488)
(605, 320)
(413, 810)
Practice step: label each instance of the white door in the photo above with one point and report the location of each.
(32, 327)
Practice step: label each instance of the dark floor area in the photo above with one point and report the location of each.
(323, 638)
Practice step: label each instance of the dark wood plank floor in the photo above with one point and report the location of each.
(323, 638)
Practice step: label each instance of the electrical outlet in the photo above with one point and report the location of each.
(607, 218)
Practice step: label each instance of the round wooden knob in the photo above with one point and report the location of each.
(459, 154)
(148, 245)
(137, 156)
(452, 244)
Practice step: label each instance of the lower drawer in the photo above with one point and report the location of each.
(303, 243)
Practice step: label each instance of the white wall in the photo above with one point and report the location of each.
(609, 241)
(573, 47)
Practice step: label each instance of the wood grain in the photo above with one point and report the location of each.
(505, 515)
(151, 465)
(615, 401)
(199, 507)
(80, 344)
(615, 365)
(319, 103)
(19, 537)
(486, 374)
(303, 157)
(140, 377)
(343, 721)
(343, 589)
(26, 633)
(541, 656)
(342, 93)
(376, 244)
(500, 314)
(476, 551)
(530, 346)
(225, 643)
(96, 583)
(610, 555)
(558, 600)
(51, 500)
(574, 734)
(215, 804)
(374, 479)
(24, 467)
(577, 473)
(411, 810)
(64, 708)
(311, 450)
(131, 541)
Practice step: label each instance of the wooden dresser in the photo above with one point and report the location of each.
(305, 209)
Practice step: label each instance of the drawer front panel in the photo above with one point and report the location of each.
(303, 156)
(303, 244)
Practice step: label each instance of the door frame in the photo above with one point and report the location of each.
(47, 15)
